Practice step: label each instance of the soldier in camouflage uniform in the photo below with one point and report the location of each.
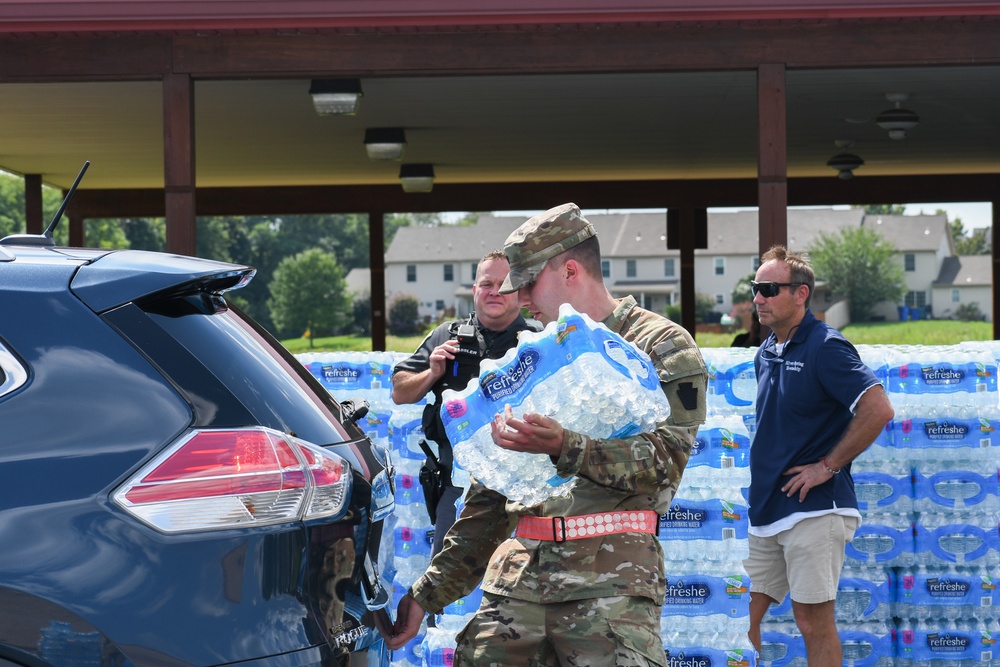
(581, 581)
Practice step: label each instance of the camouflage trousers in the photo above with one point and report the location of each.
(599, 632)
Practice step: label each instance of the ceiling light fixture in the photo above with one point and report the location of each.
(845, 164)
(336, 96)
(385, 143)
(896, 120)
(416, 177)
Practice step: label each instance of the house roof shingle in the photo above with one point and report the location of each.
(638, 235)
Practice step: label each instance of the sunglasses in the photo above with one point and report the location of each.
(768, 290)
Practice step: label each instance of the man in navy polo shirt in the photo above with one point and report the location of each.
(818, 407)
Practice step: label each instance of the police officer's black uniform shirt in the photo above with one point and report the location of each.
(497, 344)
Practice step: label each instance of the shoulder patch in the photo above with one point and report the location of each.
(664, 348)
(688, 393)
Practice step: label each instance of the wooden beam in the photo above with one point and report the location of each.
(178, 163)
(688, 294)
(33, 222)
(772, 161)
(650, 47)
(708, 193)
(995, 246)
(376, 262)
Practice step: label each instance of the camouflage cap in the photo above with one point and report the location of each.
(540, 239)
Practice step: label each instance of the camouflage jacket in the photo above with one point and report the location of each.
(637, 472)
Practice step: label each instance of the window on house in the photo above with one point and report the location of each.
(472, 271)
(916, 299)
(605, 268)
(439, 304)
(647, 302)
(449, 273)
(956, 296)
(720, 299)
(720, 266)
(411, 273)
(755, 263)
(668, 267)
(630, 271)
(910, 261)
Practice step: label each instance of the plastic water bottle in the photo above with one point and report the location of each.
(951, 593)
(709, 534)
(933, 643)
(438, 648)
(720, 455)
(456, 615)
(864, 594)
(406, 431)
(781, 611)
(716, 607)
(781, 645)
(884, 539)
(943, 538)
(732, 381)
(867, 644)
(585, 376)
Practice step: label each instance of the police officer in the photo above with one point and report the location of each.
(444, 362)
(551, 597)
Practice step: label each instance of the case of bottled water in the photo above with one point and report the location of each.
(928, 490)
(865, 593)
(704, 656)
(953, 593)
(930, 643)
(710, 534)
(716, 608)
(868, 644)
(732, 380)
(576, 370)
(781, 645)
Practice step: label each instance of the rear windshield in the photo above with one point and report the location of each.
(275, 388)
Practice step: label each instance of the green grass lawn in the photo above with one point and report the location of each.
(922, 332)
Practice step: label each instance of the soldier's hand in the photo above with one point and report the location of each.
(409, 616)
(533, 433)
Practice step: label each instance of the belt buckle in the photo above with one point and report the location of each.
(560, 529)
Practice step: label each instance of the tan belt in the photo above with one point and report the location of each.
(562, 528)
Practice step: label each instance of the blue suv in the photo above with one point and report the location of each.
(175, 488)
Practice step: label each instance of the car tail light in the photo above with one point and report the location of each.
(217, 479)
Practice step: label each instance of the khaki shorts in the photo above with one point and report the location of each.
(805, 560)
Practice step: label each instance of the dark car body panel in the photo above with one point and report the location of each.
(118, 367)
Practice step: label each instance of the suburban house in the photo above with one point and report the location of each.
(437, 264)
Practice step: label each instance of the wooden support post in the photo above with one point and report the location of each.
(772, 165)
(178, 163)
(376, 260)
(33, 223)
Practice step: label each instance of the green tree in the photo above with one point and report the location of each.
(308, 293)
(861, 265)
(12, 208)
(741, 292)
(146, 233)
(883, 209)
(977, 243)
(404, 311)
(704, 308)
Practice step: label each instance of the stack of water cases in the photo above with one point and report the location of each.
(704, 534)
(946, 412)
(918, 583)
(358, 376)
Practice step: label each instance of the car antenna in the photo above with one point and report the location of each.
(45, 238)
